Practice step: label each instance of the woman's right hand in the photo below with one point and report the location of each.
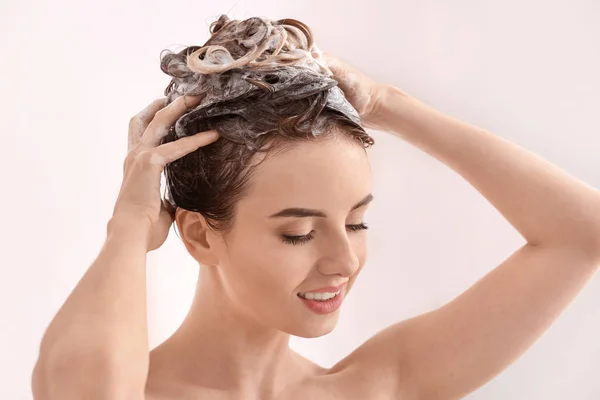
(139, 200)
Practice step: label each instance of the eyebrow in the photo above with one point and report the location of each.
(307, 212)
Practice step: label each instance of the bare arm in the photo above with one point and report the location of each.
(545, 204)
(97, 342)
(449, 352)
(96, 347)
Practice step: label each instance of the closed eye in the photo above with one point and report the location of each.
(294, 240)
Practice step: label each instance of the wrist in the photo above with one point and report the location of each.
(400, 111)
(128, 227)
(389, 104)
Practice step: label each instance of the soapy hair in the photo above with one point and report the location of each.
(264, 87)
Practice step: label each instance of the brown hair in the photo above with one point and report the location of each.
(263, 90)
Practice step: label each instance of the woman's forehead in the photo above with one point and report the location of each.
(311, 174)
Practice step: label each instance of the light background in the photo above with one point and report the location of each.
(74, 72)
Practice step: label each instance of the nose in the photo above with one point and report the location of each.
(338, 257)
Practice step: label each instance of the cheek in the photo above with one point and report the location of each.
(261, 266)
(361, 248)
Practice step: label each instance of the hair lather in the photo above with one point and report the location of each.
(261, 82)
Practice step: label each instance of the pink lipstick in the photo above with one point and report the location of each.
(320, 300)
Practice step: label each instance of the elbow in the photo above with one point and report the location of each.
(592, 245)
(593, 235)
(583, 241)
(37, 383)
(85, 377)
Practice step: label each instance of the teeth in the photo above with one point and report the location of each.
(323, 296)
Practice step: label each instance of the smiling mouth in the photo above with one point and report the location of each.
(322, 302)
(319, 296)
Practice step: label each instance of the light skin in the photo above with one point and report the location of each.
(247, 303)
(99, 339)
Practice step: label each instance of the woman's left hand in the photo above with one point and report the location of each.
(364, 93)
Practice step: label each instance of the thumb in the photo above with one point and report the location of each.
(168, 206)
(345, 74)
(331, 61)
(160, 231)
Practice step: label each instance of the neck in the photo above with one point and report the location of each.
(219, 346)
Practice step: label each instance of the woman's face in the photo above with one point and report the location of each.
(270, 256)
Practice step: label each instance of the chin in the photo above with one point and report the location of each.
(313, 328)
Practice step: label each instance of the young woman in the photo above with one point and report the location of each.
(268, 182)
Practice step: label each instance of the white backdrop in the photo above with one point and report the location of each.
(74, 72)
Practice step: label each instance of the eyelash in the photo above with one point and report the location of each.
(295, 240)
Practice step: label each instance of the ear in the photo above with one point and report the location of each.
(198, 238)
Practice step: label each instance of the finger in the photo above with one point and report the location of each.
(349, 78)
(340, 68)
(331, 61)
(168, 206)
(342, 72)
(169, 152)
(166, 117)
(140, 121)
(165, 221)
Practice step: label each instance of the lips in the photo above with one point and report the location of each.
(328, 289)
(324, 307)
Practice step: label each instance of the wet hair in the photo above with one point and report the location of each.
(264, 87)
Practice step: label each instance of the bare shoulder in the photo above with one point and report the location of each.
(453, 350)
(361, 375)
(354, 382)
(374, 370)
